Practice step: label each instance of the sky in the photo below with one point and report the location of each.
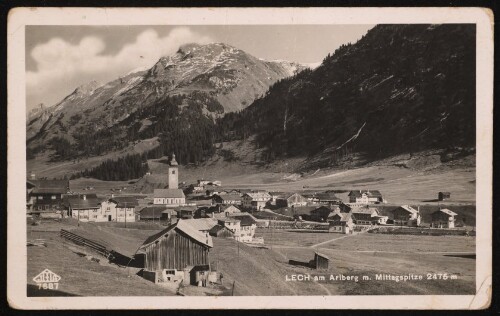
(61, 58)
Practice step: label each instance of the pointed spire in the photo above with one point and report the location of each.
(173, 162)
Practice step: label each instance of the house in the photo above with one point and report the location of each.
(327, 198)
(179, 252)
(276, 195)
(255, 200)
(85, 208)
(320, 261)
(311, 197)
(226, 199)
(157, 213)
(247, 227)
(442, 196)
(443, 218)
(186, 212)
(291, 199)
(341, 223)
(120, 208)
(169, 197)
(321, 214)
(234, 225)
(406, 215)
(46, 196)
(365, 196)
(365, 215)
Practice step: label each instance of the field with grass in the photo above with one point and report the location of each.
(262, 270)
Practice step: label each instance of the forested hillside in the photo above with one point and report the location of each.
(400, 89)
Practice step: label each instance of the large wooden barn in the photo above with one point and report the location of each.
(177, 248)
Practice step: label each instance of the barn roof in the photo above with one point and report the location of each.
(188, 229)
(168, 193)
(151, 239)
(321, 255)
(184, 227)
(201, 224)
(128, 201)
(50, 186)
(446, 211)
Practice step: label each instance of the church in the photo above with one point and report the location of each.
(173, 196)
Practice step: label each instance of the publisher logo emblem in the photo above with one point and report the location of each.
(47, 280)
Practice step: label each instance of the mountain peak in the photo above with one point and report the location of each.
(87, 88)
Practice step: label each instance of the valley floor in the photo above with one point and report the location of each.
(266, 270)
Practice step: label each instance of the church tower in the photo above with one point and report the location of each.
(173, 174)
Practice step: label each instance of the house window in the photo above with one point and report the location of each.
(53, 197)
(46, 207)
(173, 171)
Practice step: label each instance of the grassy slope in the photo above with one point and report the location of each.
(80, 276)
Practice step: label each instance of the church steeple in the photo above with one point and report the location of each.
(173, 162)
(173, 174)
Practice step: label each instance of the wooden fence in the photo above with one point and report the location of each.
(87, 243)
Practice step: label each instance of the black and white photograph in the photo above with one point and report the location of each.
(212, 158)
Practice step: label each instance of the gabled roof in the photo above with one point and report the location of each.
(258, 195)
(364, 210)
(230, 197)
(187, 229)
(50, 186)
(168, 193)
(218, 228)
(447, 211)
(225, 207)
(407, 208)
(78, 203)
(321, 209)
(245, 219)
(201, 224)
(201, 237)
(151, 239)
(321, 255)
(125, 201)
(154, 211)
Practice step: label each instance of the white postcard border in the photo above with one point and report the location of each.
(16, 156)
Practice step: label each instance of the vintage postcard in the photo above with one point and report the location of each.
(312, 158)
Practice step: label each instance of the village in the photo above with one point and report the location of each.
(192, 221)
